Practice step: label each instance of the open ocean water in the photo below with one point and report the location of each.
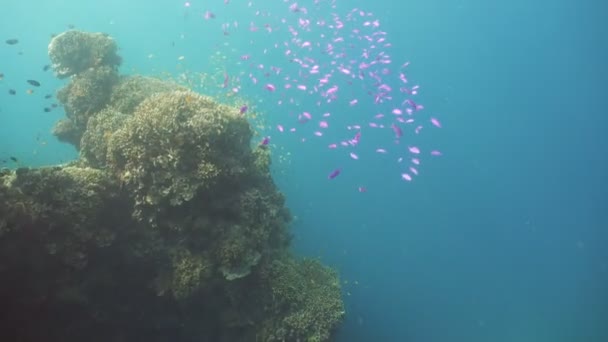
(500, 231)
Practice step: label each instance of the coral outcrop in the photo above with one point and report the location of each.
(168, 227)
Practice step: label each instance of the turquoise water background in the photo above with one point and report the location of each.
(503, 238)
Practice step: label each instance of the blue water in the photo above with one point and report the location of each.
(503, 238)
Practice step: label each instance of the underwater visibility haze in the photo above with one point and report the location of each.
(314, 170)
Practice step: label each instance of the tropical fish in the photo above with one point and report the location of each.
(334, 174)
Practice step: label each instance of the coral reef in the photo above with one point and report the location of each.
(74, 52)
(67, 132)
(132, 90)
(189, 273)
(90, 59)
(87, 93)
(53, 199)
(308, 294)
(96, 137)
(168, 227)
(177, 144)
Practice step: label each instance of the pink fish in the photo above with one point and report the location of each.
(436, 122)
(356, 138)
(294, 7)
(331, 90)
(406, 177)
(344, 70)
(226, 79)
(334, 174)
(265, 141)
(208, 15)
(349, 47)
(397, 130)
(385, 88)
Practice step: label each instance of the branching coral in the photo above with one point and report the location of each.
(95, 140)
(189, 272)
(86, 94)
(307, 295)
(132, 90)
(177, 144)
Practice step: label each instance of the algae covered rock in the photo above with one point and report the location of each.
(67, 206)
(74, 52)
(72, 262)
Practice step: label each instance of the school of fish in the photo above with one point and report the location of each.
(329, 58)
